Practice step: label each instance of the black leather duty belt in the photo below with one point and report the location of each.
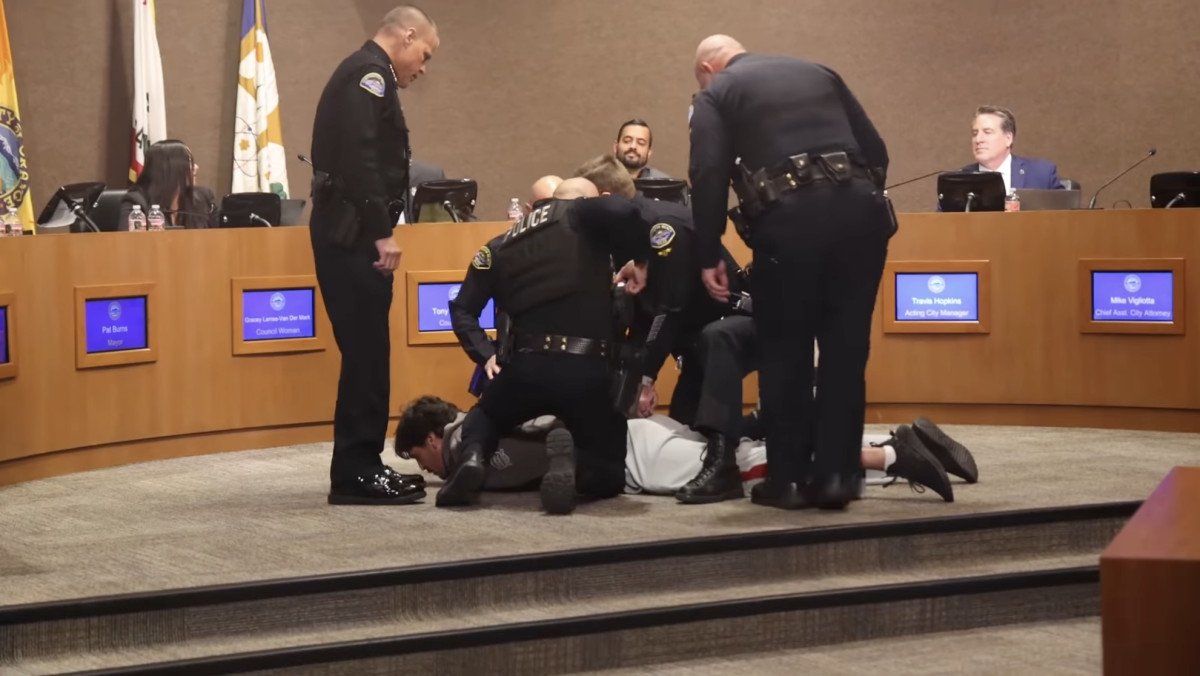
(805, 169)
(555, 344)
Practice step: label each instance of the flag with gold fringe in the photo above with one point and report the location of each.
(149, 96)
(14, 176)
(259, 160)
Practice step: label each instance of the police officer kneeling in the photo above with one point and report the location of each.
(553, 277)
(810, 183)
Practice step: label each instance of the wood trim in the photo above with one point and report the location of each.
(84, 360)
(1176, 266)
(8, 369)
(241, 346)
(1034, 415)
(414, 278)
(982, 270)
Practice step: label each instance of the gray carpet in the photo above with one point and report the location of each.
(262, 514)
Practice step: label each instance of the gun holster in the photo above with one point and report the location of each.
(626, 382)
(504, 339)
(327, 191)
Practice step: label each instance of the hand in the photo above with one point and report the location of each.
(647, 400)
(389, 255)
(716, 282)
(491, 368)
(634, 276)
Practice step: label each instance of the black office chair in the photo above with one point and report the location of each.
(442, 201)
(1175, 190)
(250, 210)
(107, 209)
(665, 189)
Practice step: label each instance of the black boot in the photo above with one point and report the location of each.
(462, 487)
(719, 478)
(558, 484)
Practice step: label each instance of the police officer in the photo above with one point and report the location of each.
(670, 315)
(360, 154)
(552, 274)
(810, 184)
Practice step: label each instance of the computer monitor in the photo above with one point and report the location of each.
(1034, 199)
(291, 211)
(1175, 190)
(107, 209)
(250, 210)
(971, 191)
(447, 200)
(278, 314)
(433, 307)
(1133, 296)
(116, 324)
(63, 212)
(937, 297)
(665, 189)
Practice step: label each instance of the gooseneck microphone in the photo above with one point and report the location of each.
(914, 180)
(304, 158)
(1150, 153)
(255, 218)
(1175, 199)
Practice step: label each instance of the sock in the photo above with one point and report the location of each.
(889, 457)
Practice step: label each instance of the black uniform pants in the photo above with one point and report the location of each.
(572, 388)
(818, 259)
(357, 298)
(708, 395)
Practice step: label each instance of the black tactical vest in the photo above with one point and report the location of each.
(544, 258)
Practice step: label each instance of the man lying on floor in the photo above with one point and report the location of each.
(661, 454)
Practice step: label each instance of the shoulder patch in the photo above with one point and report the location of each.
(661, 235)
(373, 83)
(482, 259)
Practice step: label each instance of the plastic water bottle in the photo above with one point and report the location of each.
(156, 221)
(515, 212)
(137, 220)
(1012, 201)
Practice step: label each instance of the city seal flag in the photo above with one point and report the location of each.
(259, 161)
(14, 176)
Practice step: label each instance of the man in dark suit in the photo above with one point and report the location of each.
(992, 137)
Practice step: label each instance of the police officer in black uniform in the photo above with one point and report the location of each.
(360, 155)
(670, 315)
(552, 274)
(810, 182)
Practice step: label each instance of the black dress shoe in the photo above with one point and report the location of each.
(954, 456)
(784, 495)
(463, 485)
(832, 492)
(417, 480)
(916, 463)
(376, 488)
(558, 484)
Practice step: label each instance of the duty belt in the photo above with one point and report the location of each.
(555, 344)
(805, 169)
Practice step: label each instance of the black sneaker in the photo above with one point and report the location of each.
(917, 464)
(558, 485)
(954, 456)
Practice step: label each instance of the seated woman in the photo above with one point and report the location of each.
(169, 180)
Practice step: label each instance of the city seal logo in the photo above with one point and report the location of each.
(373, 83)
(278, 301)
(454, 291)
(14, 176)
(114, 310)
(661, 235)
(1133, 283)
(482, 259)
(936, 284)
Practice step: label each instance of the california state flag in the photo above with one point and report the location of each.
(149, 99)
(259, 161)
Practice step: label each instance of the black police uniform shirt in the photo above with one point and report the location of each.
(478, 287)
(764, 109)
(551, 272)
(360, 138)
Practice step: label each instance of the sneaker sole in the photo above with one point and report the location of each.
(909, 437)
(955, 457)
(338, 499)
(558, 485)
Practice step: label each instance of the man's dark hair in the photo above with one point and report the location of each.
(637, 122)
(420, 417)
(1008, 121)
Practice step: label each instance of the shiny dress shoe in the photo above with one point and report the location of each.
(376, 488)
(417, 480)
(832, 492)
(784, 495)
(463, 484)
(558, 483)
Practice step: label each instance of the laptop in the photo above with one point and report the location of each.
(1048, 200)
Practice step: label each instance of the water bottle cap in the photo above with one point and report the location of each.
(153, 206)
(137, 207)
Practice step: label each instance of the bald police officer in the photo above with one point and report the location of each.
(810, 185)
(360, 154)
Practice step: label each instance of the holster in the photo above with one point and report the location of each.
(344, 227)
(626, 357)
(504, 339)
